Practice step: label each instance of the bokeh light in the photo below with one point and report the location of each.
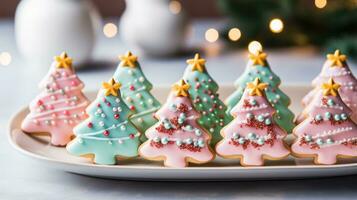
(211, 35)
(175, 7)
(234, 34)
(276, 25)
(5, 58)
(320, 3)
(254, 47)
(110, 30)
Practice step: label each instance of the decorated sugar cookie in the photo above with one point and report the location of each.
(135, 92)
(61, 104)
(337, 68)
(253, 135)
(107, 133)
(258, 67)
(328, 132)
(203, 93)
(177, 139)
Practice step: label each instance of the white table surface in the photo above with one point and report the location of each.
(23, 178)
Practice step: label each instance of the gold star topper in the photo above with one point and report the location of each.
(128, 60)
(256, 87)
(337, 59)
(330, 88)
(111, 87)
(197, 63)
(63, 61)
(181, 88)
(258, 58)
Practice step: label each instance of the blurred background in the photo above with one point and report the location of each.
(167, 28)
(164, 33)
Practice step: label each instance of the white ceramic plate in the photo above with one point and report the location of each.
(38, 147)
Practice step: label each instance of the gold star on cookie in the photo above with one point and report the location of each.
(256, 87)
(181, 88)
(259, 58)
(111, 87)
(197, 63)
(128, 60)
(63, 61)
(337, 59)
(330, 88)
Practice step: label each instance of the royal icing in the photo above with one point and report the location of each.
(337, 68)
(203, 93)
(135, 92)
(326, 132)
(107, 132)
(60, 106)
(253, 135)
(258, 67)
(177, 138)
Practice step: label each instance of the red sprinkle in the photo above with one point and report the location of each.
(132, 107)
(116, 116)
(98, 105)
(131, 136)
(106, 133)
(73, 83)
(109, 104)
(90, 125)
(66, 112)
(132, 88)
(39, 102)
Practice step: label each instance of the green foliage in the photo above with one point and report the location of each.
(333, 26)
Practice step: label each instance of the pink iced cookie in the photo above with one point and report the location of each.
(337, 68)
(253, 135)
(177, 138)
(328, 132)
(60, 106)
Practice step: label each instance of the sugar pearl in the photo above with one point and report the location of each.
(198, 132)
(150, 101)
(261, 141)
(260, 118)
(188, 141)
(308, 138)
(319, 141)
(241, 140)
(164, 140)
(156, 139)
(101, 123)
(250, 115)
(235, 136)
(318, 117)
(251, 136)
(178, 142)
(141, 79)
(201, 143)
(329, 141)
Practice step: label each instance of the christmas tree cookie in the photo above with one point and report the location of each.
(107, 132)
(253, 135)
(61, 104)
(203, 93)
(177, 138)
(337, 68)
(258, 67)
(135, 92)
(328, 132)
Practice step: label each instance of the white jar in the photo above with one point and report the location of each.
(149, 27)
(45, 28)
